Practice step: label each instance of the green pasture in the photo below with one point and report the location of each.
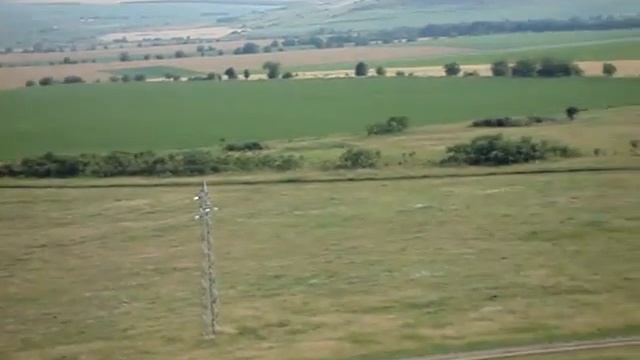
(163, 116)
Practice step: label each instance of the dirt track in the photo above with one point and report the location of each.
(537, 350)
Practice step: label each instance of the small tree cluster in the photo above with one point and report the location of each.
(359, 159)
(532, 68)
(394, 124)
(495, 150)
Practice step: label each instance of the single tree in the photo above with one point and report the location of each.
(275, 44)
(500, 68)
(114, 78)
(362, 69)
(609, 69)
(525, 68)
(381, 71)
(180, 54)
(200, 48)
(140, 77)
(250, 48)
(126, 78)
(572, 111)
(266, 49)
(147, 57)
(272, 68)
(30, 83)
(124, 56)
(231, 73)
(288, 75)
(247, 74)
(452, 69)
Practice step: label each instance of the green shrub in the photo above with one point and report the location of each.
(495, 150)
(359, 159)
(245, 146)
(288, 75)
(394, 124)
(609, 69)
(140, 77)
(30, 83)
(46, 81)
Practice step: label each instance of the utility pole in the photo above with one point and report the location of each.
(208, 278)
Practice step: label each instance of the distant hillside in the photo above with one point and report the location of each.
(343, 15)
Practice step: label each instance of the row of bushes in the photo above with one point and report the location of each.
(512, 122)
(146, 163)
(48, 81)
(496, 150)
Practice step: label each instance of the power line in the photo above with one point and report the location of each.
(210, 311)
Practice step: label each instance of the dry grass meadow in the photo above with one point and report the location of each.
(315, 271)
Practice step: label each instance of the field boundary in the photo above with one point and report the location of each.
(292, 180)
(531, 350)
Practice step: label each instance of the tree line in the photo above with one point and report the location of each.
(147, 163)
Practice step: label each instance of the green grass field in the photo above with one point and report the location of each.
(98, 118)
(372, 270)
(156, 71)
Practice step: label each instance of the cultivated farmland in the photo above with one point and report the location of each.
(16, 77)
(73, 119)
